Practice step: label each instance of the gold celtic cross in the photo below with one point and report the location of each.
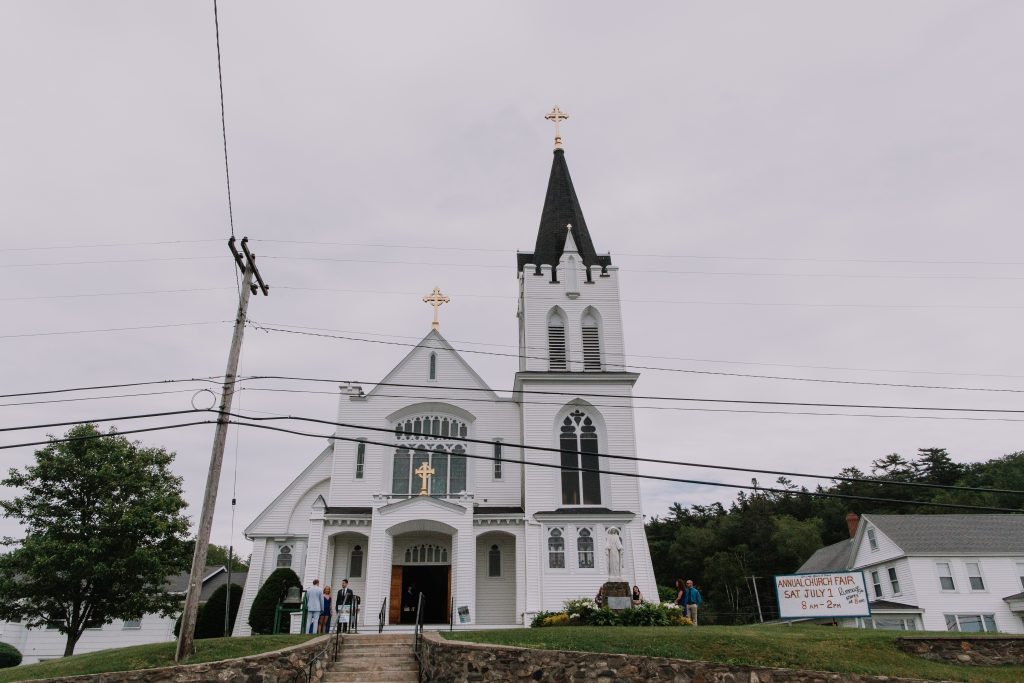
(436, 299)
(557, 115)
(424, 472)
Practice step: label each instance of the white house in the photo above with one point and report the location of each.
(935, 572)
(41, 644)
(502, 531)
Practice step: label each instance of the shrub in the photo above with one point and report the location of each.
(9, 656)
(210, 622)
(557, 619)
(580, 610)
(646, 615)
(261, 616)
(539, 618)
(604, 617)
(667, 593)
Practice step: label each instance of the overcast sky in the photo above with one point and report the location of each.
(837, 186)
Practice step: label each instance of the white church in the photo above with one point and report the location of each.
(442, 499)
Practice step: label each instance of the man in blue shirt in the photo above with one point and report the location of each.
(691, 601)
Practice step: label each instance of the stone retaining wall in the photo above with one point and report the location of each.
(970, 651)
(449, 661)
(280, 666)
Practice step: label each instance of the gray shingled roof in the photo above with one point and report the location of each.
(953, 534)
(831, 558)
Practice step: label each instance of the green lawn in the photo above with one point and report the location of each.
(148, 657)
(804, 647)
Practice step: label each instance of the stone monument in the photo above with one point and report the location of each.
(616, 591)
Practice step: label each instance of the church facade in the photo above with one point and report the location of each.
(430, 488)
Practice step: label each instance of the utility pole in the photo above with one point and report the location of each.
(757, 599)
(186, 635)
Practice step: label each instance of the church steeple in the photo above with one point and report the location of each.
(561, 210)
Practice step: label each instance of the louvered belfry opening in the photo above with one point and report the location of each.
(556, 345)
(591, 348)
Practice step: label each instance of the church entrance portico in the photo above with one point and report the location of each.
(421, 563)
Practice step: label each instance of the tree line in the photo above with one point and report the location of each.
(763, 533)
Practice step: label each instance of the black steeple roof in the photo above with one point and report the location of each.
(561, 208)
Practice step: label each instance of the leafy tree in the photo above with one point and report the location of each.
(103, 524)
(9, 656)
(934, 466)
(261, 616)
(796, 540)
(218, 555)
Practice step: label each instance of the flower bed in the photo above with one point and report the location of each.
(585, 612)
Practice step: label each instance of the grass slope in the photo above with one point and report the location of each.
(148, 657)
(799, 647)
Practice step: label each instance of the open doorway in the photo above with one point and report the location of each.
(434, 581)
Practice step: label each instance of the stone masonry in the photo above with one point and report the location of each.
(970, 651)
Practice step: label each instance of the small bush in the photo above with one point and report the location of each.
(557, 619)
(539, 618)
(584, 612)
(667, 593)
(604, 617)
(261, 616)
(9, 656)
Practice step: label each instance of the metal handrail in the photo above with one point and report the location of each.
(381, 615)
(419, 626)
(306, 673)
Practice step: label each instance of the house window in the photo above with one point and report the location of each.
(556, 342)
(132, 624)
(429, 439)
(894, 581)
(284, 556)
(494, 561)
(945, 576)
(581, 485)
(591, 343)
(971, 623)
(974, 576)
(877, 583)
(891, 623)
(585, 548)
(556, 549)
(872, 541)
(355, 565)
(433, 366)
(497, 460)
(360, 459)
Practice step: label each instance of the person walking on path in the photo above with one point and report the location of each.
(691, 601)
(314, 606)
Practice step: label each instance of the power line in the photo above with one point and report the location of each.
(123, 385)
(254, 422)
(272, 328)
(637, 475)
(95, 398)
(102, 294)
(542, 449)
(111, 329)
(674, 408)
(148, 259)
(106, 245)
(223, 124)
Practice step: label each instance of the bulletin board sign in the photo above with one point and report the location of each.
(833, 594)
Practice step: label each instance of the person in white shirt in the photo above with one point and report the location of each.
(314, 605)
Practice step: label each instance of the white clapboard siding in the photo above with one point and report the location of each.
(1001, 579)
(496, 596)
(38, 645)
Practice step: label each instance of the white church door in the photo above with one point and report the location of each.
(348, 553)
(496, 578)
(422, 564)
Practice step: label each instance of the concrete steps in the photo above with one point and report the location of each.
(384, 658)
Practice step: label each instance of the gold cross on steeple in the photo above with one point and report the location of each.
(436, 299)
(557, 115)
(424, 472)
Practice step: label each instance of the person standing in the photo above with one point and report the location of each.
(325, 616)
(345, 602)
(691, 601)
(680, 593)
(314, 606)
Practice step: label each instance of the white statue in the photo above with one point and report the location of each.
(614, 543)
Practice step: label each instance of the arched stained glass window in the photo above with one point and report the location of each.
(284, 556)
(355, 567)
(578, 442)
(556, 549)
(430, 439)
(494, 561)
(585, 549)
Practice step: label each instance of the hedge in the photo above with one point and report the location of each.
(9, 656)
(261, 616)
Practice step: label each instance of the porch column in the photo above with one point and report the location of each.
(377, 571)
(521, 571)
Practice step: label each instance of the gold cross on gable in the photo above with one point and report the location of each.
(436, 299)
(557, 115)
(424, 472)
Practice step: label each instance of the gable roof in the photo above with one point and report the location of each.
(433, 341)
(952, 534)
(831, 558)
(325, 453)
(561, 208)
